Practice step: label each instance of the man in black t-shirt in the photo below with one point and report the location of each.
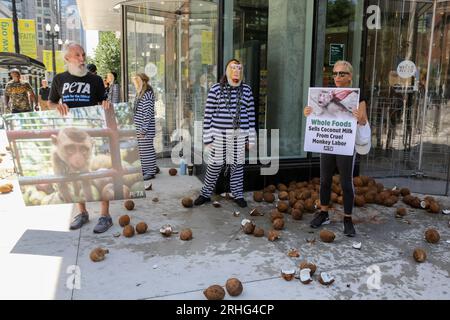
(44, 92)
(77, 88)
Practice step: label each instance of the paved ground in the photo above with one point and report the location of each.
(39, 255)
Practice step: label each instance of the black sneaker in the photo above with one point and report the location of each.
(149, 177)
(320, 219)
(201, 200)
(103, 225)
(241, 202)
(349, 228)
(79, 221)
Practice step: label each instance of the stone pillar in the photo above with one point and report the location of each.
(289, 49)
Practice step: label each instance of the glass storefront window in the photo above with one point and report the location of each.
(175, 44)
(272, 38)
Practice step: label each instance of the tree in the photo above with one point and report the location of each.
(107, 54)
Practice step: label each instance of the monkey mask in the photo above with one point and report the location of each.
(235, 73)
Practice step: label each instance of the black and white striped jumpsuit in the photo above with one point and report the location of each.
(220, 111)
(144, 120)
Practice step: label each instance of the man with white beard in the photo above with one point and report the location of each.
(78, 88)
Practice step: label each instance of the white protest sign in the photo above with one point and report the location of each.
(331, 128)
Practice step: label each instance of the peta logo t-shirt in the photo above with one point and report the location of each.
(76, 91)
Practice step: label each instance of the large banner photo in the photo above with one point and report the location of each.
(88, 156)
(331, 128)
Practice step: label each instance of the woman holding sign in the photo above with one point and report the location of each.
(343, 74)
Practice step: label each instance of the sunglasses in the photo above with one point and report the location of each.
(340, 74)
(237, 67)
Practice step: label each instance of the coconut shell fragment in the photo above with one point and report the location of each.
(273, 235)
(186, 235)
(432, 236)
(420, 255)
(214, 293)
(288, 275)
(124, 221)
(325, 279)
(305, 276)
(327, 236)
(306, 265)
(234, 287)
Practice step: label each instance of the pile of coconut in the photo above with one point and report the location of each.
(298, 198)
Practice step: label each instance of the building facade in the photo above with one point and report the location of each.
(289, 46)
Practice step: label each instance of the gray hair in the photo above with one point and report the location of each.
(68, 47)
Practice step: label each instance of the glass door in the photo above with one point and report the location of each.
(174, 43)
(407, 67)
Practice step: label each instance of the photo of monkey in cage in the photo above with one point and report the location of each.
(89, 156)
(334, 102)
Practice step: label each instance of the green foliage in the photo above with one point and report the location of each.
(107, 54)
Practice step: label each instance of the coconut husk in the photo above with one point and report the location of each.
(129, 205)
(249, 228)
(435, 208)
(297, 214)
(278, 224)
(187, 202)
(432, 236)
(327, 236)
(401, 212)
(269, 197)
(283, 195)
(141, 228)
(420, 255)
(259, 232)
(214, 293)
(310, 205)
(405, 192)
(360, 201)
(128, 231)
(357, 181)
(282, 206)
(234, 287)
(124, 220)
(186, 235)
(258, 196)
(275, 214)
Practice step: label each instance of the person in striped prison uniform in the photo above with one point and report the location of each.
(144, 120)
(228, 130)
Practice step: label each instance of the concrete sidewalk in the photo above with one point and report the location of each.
(39, 255)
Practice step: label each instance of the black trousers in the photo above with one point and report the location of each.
(345, 166)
